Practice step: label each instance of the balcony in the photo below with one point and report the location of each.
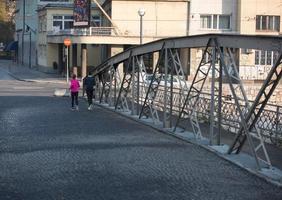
(91, 31)
(95, 35)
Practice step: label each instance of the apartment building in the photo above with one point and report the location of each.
(115, 26)
(55, 23)
(258, 18)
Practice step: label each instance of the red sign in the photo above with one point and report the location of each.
(67, 42)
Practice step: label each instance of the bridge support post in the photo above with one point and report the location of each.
(167, 94)
(133, 87)
(188, 110)
(213, 99)
(74, 56)
(83, 60)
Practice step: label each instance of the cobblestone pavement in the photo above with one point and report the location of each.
(48, 152)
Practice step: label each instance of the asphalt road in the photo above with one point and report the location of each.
(49, 152)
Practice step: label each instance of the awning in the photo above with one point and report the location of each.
(12, 46)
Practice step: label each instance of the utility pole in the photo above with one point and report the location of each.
(29, 57)
(23, 31)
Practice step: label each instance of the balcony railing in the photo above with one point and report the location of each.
(91, 31)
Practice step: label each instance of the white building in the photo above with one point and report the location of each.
(213, 16)
(118, 28)
(50, 23)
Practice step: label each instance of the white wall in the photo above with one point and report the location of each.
(198, 7)
(159, 20)
(250, 8)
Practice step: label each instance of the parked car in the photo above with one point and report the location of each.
(177, 82)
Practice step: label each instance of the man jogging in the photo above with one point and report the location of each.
(89, 83)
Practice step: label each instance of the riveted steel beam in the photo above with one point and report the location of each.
(260, 42)
(263, 96)
(188, 111)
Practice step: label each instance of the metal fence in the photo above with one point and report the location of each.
(270, 121)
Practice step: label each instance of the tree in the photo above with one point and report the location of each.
(7, 26)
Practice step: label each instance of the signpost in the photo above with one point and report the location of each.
(67, 43)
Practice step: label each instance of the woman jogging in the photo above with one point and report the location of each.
(74, 88)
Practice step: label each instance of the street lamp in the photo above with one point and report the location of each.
(141, 13)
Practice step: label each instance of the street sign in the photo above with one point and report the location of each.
(67, 42)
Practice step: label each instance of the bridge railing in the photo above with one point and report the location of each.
(270, 121)
(124, 84)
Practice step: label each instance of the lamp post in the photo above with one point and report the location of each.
(29, 56)
(141, 13)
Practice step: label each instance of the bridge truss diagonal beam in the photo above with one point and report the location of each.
(148, 109)
(260, 102)
(231, 72)
(124, 89)
(188, 112)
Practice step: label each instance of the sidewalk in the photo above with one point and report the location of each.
(23, 73)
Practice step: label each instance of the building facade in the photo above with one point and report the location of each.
(258, 18)
(115, 26)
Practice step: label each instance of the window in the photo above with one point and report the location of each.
(63, 21)
(224, 22)
(267, 23)
(265, 57)
(40, 24)
(217, 22)
(206, 21)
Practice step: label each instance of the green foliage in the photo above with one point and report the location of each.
(6, 25)
(6, 32)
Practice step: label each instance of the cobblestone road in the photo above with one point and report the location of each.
(50, 152)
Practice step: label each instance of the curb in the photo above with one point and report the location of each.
(30, 80)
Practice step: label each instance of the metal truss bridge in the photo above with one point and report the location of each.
(124, 84)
